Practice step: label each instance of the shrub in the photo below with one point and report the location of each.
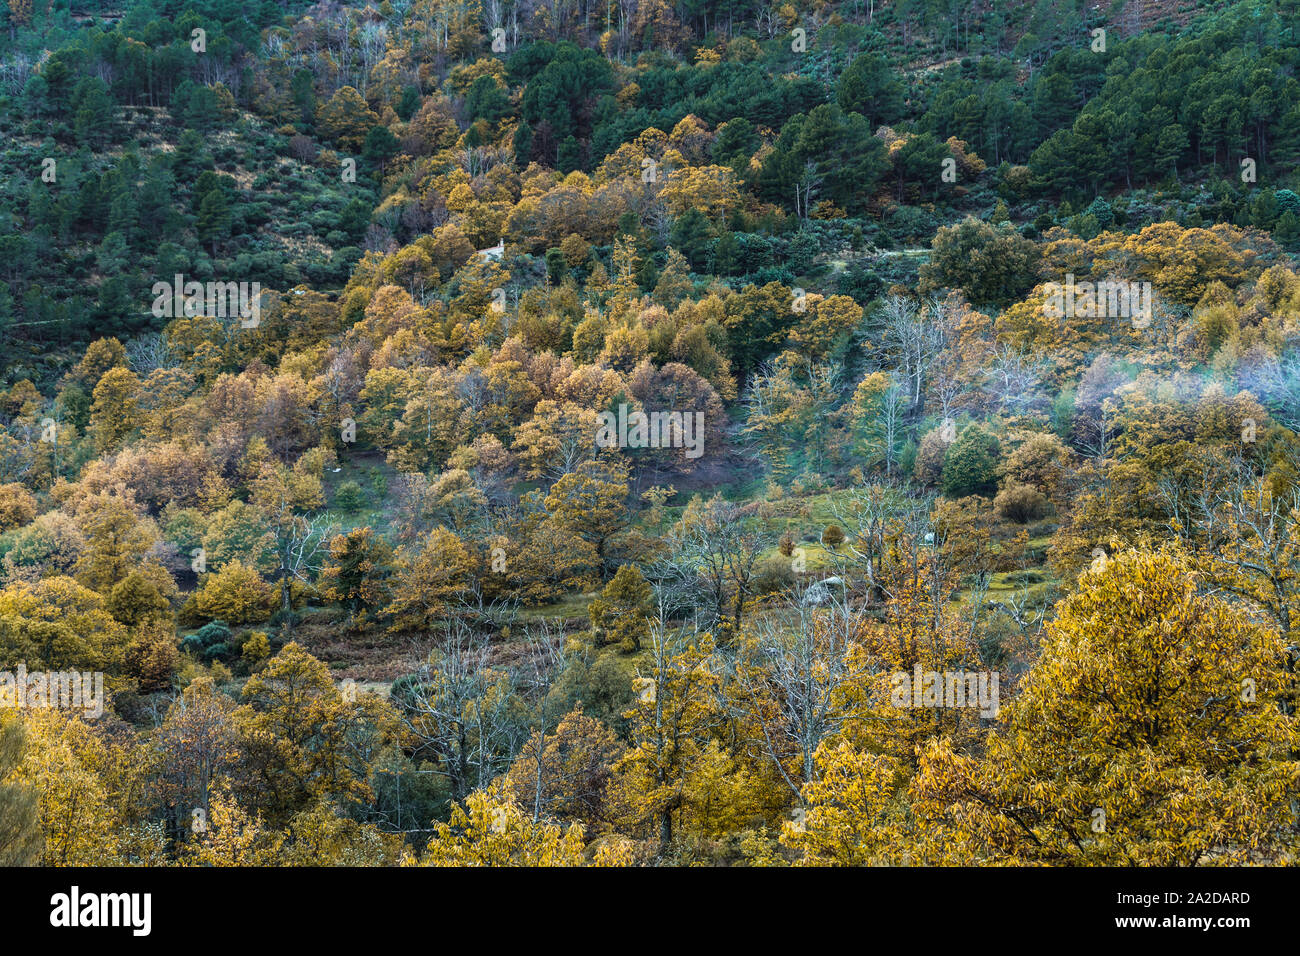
(1020, 503)
(929, 458)
(257, 647)
(211, 633)
(152, 658)
(1042, 461)
(236, 594)
(621, 614)
(1022, 578)
(17, 506)
(137, 598)
(971, 465)
(774, 574)
(349, 497)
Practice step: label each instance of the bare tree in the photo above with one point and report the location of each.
(1012, 378)
(489, 613)
(371, 40)
(873, 519)
(790, 685)
(300, 544)
(892, 408)
(1028, 615)
(147, 353)
(711, 560)
(946, 388)
(461, 711)
(342, 379)
(1193, 502)
(912, 336)
(1277, 383)
(1094, 435)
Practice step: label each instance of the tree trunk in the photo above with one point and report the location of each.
(286, 603)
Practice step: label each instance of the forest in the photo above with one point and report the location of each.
(649, 433)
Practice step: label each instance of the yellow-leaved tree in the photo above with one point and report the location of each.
(232, 837)
(853, 813)
(490, 829)
(69, 768)
(1151, 731)
(670, 723)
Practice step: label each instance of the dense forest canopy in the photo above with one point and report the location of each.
(569, 433)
